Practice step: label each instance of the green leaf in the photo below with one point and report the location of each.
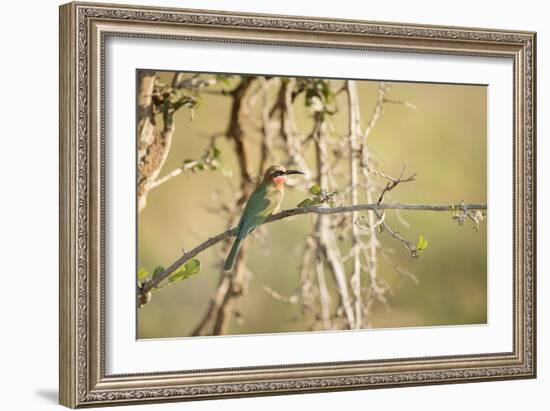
(305, 203)
(315, 189)
(158, 271)
(185, 271)
(142, 275)
(422, 243)
(193, 267)
(177, 275)
(215, 152)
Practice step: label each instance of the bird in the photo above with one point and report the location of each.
(262, 203)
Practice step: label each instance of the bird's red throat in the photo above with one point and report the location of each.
(279, 182)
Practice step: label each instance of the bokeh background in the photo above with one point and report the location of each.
(444, 140)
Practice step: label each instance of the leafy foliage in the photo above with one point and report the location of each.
(320, 196)
(319, 96)
(192, 267)
(187, 270)
(143, 275)
(210, 161)
(157, 272)
(315, 189)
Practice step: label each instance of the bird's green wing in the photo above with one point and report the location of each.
(261, 204)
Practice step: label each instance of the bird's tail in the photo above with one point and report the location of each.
(230, 260)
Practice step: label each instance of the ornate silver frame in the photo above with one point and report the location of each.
(83, 30)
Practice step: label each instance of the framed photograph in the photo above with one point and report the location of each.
(259, 204)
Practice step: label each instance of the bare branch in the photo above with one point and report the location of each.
(301, 211)
(267, 129)
(394, 182)
(294, 143)
(371, 248)
(400, 102)
(383, 89)
(326, 239)
(231, 286)
(293, 299)
(234, 129)
(306, 280)
(354, 150)
(374, 206)
(409, 245)
(174, 173)
(324, 295)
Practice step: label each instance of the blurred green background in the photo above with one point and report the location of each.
(443, 140)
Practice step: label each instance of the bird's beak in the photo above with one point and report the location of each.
(287, 172)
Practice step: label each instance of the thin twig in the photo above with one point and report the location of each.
(293, 299)
(383, 89)
(174, 173)
(394, 182)
(409, 245)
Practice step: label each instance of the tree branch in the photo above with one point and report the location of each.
(306, 210)
(235, 131)
(155, 144)
(230, 288)
(324, 295)
(328, 249)
(354, 152)
(174, 173)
